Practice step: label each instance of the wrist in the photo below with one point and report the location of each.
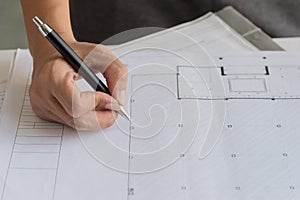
(41, 49)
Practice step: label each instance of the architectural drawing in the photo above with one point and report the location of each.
(220, 127)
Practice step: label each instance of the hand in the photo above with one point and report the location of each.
(55, 97)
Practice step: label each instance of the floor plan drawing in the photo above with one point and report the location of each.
(211, 127)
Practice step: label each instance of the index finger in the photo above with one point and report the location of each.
(116, 76)
(103, 60)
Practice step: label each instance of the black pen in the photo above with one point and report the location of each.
(74, 60)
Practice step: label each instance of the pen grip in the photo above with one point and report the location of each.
(76, 62)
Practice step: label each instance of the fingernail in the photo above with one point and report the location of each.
(112, 106)
(121, 96)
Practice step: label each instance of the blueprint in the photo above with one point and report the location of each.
(203, 126)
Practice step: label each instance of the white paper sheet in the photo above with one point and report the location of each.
(36, 163)
(257, 109)
(208, 34)
(158, 155)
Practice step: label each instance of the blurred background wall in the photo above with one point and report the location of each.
(12, 30)
(97, 20)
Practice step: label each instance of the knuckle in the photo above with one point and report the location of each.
(68, 80)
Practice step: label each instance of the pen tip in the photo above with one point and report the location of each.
(124, 113)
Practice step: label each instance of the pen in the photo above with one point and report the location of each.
(74, 60)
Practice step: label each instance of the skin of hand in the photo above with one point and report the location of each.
(53, 92)
(55, 97)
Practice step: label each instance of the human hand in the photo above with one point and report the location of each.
(55, 97)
